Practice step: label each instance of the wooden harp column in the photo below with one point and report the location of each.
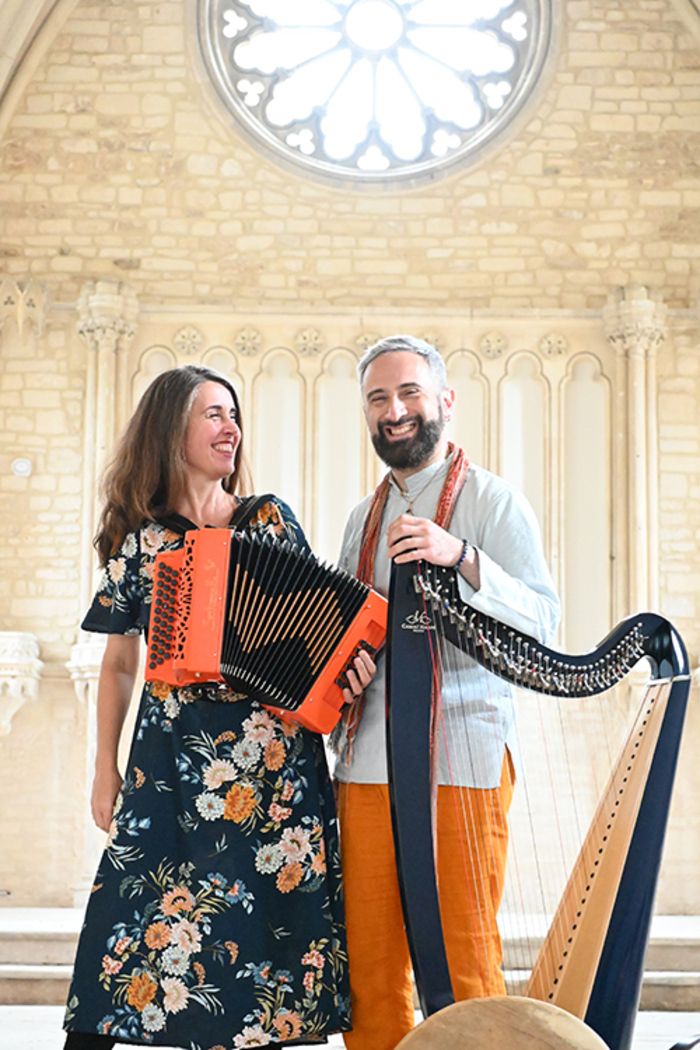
(591, 963)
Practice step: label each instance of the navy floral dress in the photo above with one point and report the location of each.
(215, 920)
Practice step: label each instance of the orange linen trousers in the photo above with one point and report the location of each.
(472, 841)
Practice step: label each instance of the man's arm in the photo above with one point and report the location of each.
(516, 586)
(504, 573)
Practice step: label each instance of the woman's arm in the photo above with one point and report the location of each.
(117, 676)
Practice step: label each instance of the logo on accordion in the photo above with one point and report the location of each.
(418, 622)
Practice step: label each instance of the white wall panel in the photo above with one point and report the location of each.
(523, 408)
(586, 487)
(338, 442)
(277, 427)
(153, 361)
(469, 427)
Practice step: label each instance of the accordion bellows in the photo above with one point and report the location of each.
(263, 616)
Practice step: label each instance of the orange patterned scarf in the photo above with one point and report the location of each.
(344, 735)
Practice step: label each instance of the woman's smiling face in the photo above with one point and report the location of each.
(213, 434)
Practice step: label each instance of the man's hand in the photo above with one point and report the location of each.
(359, 675)
(416, 539)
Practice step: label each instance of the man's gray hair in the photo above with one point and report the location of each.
(408, 344)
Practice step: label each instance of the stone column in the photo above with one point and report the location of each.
(20, 670)
(635, 325)
(107, 323)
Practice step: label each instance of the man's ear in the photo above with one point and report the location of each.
(447, 399)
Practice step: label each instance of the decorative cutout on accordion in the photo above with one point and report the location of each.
(265, 617)
(184, 602)
(163, 615)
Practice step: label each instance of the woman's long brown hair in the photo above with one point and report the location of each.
(146, 475)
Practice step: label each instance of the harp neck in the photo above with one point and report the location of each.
(524, 661)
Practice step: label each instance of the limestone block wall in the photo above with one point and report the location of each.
(117, 164)
(41, 397)
(119, 160)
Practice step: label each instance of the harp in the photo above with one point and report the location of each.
(264, 617)
(591, 961)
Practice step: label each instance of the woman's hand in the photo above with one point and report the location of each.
(117, 676)
(105, 788)
(359, 675)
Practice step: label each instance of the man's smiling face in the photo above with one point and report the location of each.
(405, 411)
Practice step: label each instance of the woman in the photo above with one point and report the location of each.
(215, 920)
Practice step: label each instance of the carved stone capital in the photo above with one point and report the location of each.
(23, 305)
(108, 311)
(634, 320)
(20, 670)
(84, 666)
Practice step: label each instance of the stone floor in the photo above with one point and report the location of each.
(39, 1028)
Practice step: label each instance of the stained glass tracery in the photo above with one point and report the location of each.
(374, 89)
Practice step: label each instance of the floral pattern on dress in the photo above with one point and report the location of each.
(216, 914)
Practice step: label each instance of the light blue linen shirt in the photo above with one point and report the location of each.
(516, 588)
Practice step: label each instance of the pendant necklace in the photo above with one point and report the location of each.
(410, 500)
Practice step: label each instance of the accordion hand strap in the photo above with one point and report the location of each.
(241, 516)
(247, 508)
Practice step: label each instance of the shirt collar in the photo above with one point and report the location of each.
(415, 483)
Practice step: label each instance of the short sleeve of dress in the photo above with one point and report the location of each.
(276, 517)
(116, 607)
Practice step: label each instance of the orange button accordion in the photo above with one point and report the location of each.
(263, 616)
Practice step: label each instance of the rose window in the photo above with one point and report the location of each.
(375, 89)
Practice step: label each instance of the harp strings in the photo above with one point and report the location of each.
(473, 810)
(536, 875)
(474, 864)
(484, 801)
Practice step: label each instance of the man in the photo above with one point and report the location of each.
(432, 505)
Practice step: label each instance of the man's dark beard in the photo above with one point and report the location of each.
(413, 450)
